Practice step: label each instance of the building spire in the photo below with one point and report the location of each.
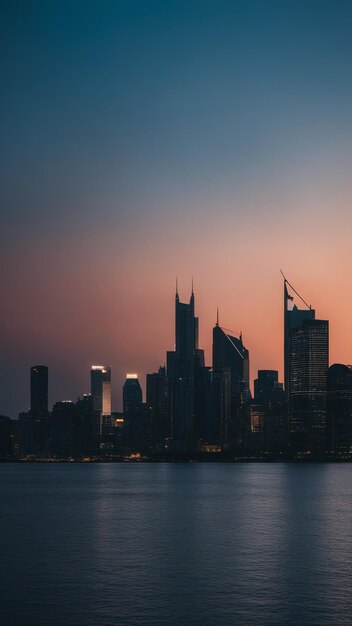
(217, 316)
(192, 295)
(176, 288)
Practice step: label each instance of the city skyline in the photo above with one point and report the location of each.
(180, 139)
(175, 312)
(194, 407)
(106, 372)
(119, 373)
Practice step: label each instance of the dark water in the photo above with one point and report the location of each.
(179, 544)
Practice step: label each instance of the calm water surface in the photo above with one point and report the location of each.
(176, 544)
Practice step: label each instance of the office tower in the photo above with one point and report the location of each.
(39, 389)
(220, 407)
(33, 424)
(180, 374)
(268, 423)
(157, 400)
(132, 393)
(74, 428)
(100, 378)
(306, 366)
(89, 426)
(186, 326)
(293, 319)
(203, 423)
(137, 416)
(231, 387)
(64, 430)
(340, 408)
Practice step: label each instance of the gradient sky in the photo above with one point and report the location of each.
(146, 139)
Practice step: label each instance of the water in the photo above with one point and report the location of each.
(176, 544)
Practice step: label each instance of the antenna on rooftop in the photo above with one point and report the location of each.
(309, 306)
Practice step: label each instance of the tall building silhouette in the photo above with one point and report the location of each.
(181, 376)
(231, 387)
(158, 402)
(132, 393)
(340, 408)
(137, 416)
(100, 379)
(306, 355)
(89, 425)
(34, 423)
(64, 429)
(203, 422)
(186, 328)
(39, 388)
(293, 319)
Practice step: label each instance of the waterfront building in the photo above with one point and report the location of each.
(306, 358)
(157, 401)
(33, 424)
(132, 393)
(340, 408)
(231, 387)
(89, 426)
(100, 377)
(181, 364)
(39, 389)
(137, 428)
(64, 430)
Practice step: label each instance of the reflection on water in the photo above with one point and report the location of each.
(158, 544)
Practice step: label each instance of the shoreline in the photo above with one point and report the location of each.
(186, 459)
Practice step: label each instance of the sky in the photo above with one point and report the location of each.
(143, 140)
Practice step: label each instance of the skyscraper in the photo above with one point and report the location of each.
(231, 387)
(132, 393)
(100, 381)
(34, 423)
(306, 365)
(89, 425)
(186, 328)
(157, 400)
(137, 416)
(64, 429)
(39, 389)
(100, 378)
(293, 318)
(180, 374)
(340, 408)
